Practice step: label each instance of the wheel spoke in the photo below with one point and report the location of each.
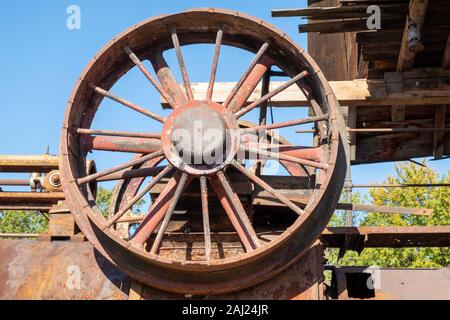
(205, 213)
(121, 144)
(148, 75)
(286, 124)
(168, 81)
(308, 153)
(235, 211)
(139, 196)
(131, 174)
(279, 156)
(120, 133)
(215, 62)
(294, 168)
(162, 228)
(259, 164)
(128, 104)
(271, 94)
(268, 188)
(257, 73)
(156, 212)
(121, 167)
(187, 83)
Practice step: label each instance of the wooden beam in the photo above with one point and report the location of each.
(376, 237)
(339, 12)
(348, 25)
(439, 122)
(417, 12)
(360, 92)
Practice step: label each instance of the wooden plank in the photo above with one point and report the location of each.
(417, 12)
(352, 123)
(355, 11)
(376, 237)
(359, 92)
(349, 25)
(439, 122)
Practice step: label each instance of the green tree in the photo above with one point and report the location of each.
(434, 198)
(35, 222)
(22, 222)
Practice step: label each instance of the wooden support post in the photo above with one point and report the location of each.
(61, 225)
(417, 13)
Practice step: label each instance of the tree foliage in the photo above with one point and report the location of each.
(22, 222)
(35, 222)
(434, 198)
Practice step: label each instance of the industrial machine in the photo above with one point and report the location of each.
(217, 224)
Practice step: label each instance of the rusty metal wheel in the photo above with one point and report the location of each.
(214, 257)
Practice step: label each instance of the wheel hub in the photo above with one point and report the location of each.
(198, 138)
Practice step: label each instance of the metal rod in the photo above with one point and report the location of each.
(205, 213)
(129, 174)
(128, 104)
(288, 123)
(306, 131)
(168, 216)
(414, 185)
(265, 86)
(167, 79)
(119, 133)
(237, 214)
(14, 182)
(187, 83)
(398, 130)
(120, 167)
(271, 94)
(278, 156)
(255, 60)
(215, 63)
(29, 163)
(268, 188)
(141, 194)
(149, 76)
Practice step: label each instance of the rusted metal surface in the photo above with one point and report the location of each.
(303, 280)
(239, 269)
(372, 283)
(34, 163)
(34, 270)
(23, 198)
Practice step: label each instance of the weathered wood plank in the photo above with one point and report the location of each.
(417, 13)
(349, 25)
(355, 11)
(358, 92)
(406, 57)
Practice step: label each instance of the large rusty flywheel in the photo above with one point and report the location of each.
(216, 221)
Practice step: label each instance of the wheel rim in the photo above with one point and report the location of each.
(221, 27)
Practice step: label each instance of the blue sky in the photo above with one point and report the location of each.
(41, 59)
